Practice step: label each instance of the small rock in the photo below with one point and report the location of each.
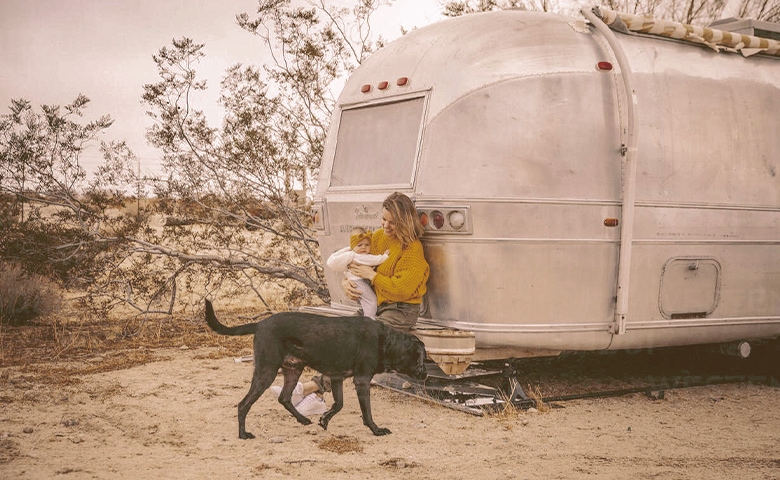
(28, 430)
(70, 422)
(532, 410)
(406, 385)
(525, 422)
(276, 440)
(184, 347)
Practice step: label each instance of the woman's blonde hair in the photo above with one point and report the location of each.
(407, 224)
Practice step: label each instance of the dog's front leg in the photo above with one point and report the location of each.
(337, 388)
(261, 380)
(363, 387)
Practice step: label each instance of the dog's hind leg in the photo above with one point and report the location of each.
(337, 389)
(292, 368)
(261, 379)
(363, 387)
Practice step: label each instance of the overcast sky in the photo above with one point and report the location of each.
(52, 50)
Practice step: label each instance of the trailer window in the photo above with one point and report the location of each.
(377, 145)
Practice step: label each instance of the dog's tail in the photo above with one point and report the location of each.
(211, 319)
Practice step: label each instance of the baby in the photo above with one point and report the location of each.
(359, 251)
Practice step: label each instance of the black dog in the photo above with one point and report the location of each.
(338, 347)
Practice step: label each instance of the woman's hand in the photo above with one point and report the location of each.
(350, 289)
(362, 271)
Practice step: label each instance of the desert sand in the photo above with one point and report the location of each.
(175, 418)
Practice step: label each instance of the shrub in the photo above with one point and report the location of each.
(25, 296)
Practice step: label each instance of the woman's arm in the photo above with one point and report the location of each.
(407, 280)
(362, 271)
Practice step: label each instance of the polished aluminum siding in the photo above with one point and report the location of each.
(524, 130)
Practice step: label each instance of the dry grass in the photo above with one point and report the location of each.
(508, 410)
(397, 463)
(56, 350)
(340, 444)
(536, 395)
(509, 413)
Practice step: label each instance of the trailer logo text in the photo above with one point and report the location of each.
(362, 213)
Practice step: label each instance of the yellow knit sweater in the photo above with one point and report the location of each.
(403, 277)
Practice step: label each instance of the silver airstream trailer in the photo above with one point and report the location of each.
(583, 189)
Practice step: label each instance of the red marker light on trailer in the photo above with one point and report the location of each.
(606, 66)
(382, 85)
(424, 219)
(438, 219)
(365, 88)
(402, 81)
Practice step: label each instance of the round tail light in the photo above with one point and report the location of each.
(438, 219)
(456, 219)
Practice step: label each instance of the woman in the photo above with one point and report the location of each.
(399, 282)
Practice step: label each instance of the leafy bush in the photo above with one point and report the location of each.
(51, 245)
(25, 296)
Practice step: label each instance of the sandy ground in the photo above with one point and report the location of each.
(176, 419)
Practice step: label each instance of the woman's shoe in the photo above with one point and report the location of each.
(297, 395)
(311, 404)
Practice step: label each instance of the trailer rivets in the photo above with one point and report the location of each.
(611, 222)
(606, 66)
(382, 85)
(365, 88)
(402, 81)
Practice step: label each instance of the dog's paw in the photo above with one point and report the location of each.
(323, 423)
(245, 436)
(382, 431)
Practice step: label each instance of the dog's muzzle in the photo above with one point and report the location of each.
(421, 374)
